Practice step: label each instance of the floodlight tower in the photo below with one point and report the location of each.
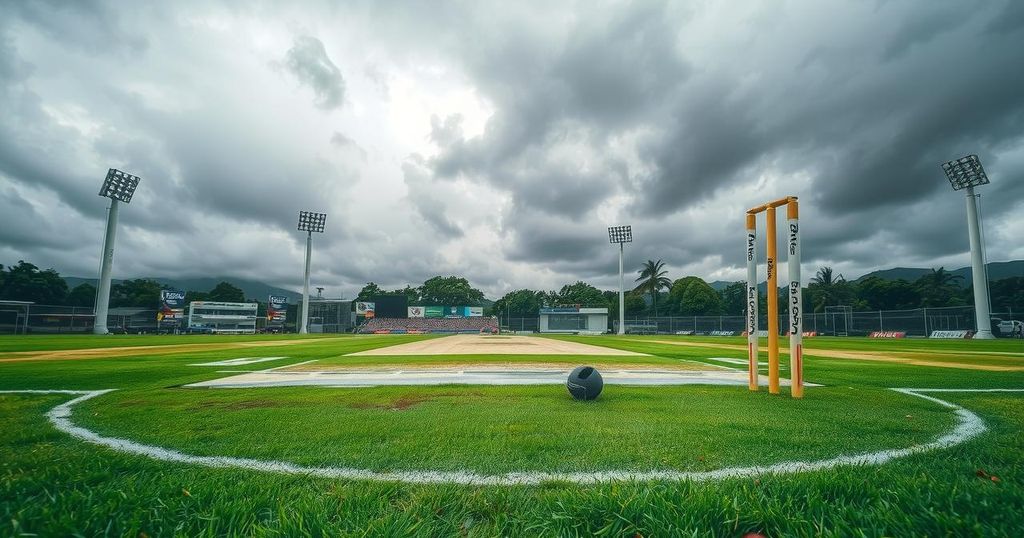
(119, 187)
(621, 235)
(967, 173)
(309, 222)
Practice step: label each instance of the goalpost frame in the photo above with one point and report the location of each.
(795, 295)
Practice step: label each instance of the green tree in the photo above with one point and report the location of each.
(652, 280)
(450, 291)
(139, 292)
(878, 294)
(829, 289)
(369, 291)
(83, 294)
(675, 292)
(196, 296)
(411, 293)
(734, 299)
(1008, 295)
(583, 294)
(635, 303)
(25, 282)
(227, 292)
(694, 297)
(519, 303)
(940, 288)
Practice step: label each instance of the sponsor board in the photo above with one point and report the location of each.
(172, 306)
(433, 311)
(888, 334)
(416, 312)
(951, 334)
(474, 311)
(722, 333)
(277, 310)
(365, 309)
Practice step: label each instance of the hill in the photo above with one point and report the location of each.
(996, 271)
(253, 289)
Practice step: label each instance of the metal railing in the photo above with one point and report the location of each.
(914, 322)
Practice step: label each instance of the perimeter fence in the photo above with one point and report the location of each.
(57, 319)
(913, 322)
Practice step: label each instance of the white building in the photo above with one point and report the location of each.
(573, 319)
(229, 318)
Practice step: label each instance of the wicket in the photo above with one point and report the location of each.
(795, 320)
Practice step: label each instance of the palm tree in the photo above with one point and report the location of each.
(652, 279)
(938, 287)
(828, 288)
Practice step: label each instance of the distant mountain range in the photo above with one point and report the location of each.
(996, 271)
(259, 290)
(253, 289)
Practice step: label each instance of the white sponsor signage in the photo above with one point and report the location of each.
(476, 311)
(590, 311)
(363, 308)
(416, 312)
(950, 334)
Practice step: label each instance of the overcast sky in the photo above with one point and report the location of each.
(498, 140)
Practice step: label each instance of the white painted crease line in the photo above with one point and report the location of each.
(242, 361)
(968, 426)
(289, 365)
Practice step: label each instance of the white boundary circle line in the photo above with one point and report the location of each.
(969, 425)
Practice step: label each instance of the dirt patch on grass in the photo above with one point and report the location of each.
(408, 401)
(237, 406)
(400, 404)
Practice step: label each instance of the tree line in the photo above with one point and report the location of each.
(26, 282)
(653, 294)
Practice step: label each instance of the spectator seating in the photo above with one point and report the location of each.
(429, 325)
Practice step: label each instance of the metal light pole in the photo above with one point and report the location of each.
(621, 235)
(967, 173)
(119, 187)
(309, 222)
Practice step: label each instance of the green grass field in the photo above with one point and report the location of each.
(54, 484)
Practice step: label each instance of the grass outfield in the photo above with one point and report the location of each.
(53, 484)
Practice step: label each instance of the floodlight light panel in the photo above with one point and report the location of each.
(119, 185)
(310, 221)
(620, 234)
(965, 172)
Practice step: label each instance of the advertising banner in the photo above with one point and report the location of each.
(888, 334)
(416, 312)
(172, 306)
(365, 309)
(453, 311)
(277, 309)
(474, 311)
(950, 334)
(433, 311)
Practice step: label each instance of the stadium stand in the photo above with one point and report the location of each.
(472, 325)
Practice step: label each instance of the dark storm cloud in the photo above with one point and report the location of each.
(603, 79)
(428, 204)
(308, 61)
(869, 120)
(670, 116)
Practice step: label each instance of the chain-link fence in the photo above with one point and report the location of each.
(56, 319)
(841, 322)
